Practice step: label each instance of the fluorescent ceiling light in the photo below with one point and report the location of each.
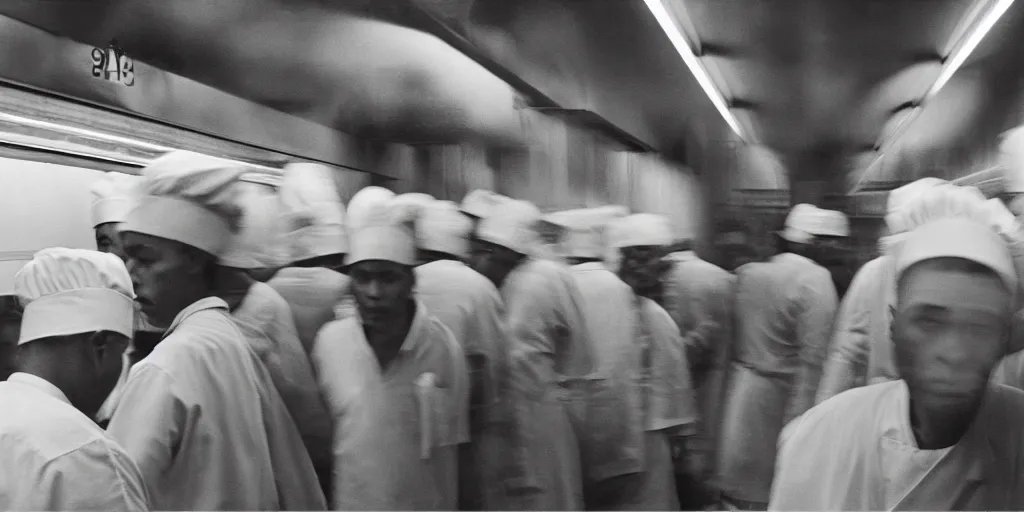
(83, 132)
(83, 149)
(953, 62)
(668, 25)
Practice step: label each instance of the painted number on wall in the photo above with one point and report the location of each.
(113, 65)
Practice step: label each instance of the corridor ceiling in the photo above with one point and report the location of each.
(807, 77)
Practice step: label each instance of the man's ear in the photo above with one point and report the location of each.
(98, 344)
(197, 261)
(892, 321)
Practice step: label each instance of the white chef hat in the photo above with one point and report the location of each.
(830, 223)
(414, 199)
(805, 221)
(363, 202)
(313, 213)
(441, 227)
(73, 291)
(258, 241)
(958, 237)
(1002, 218)
(958, 222)
(1011, 152)
(112, 197)
(941, 201)
(386, 232)
(512, 225)
(585, 229)
(900, 197)
(640, 229)
(189, 198)
(479, 203)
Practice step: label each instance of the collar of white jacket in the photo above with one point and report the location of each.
(74, 291)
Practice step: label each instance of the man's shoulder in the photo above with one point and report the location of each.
(847, 413)
(45, 430)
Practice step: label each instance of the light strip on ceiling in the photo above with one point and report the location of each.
(43, 143)
(951, 64)
(668, 25)
(27, 121)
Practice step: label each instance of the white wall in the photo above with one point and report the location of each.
(41, 205)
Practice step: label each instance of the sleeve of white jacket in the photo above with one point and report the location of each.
(298, 487)
(814, 330)
(293, 377)
(149, 420)
(851, 342)
(88, 478)
(674, 404)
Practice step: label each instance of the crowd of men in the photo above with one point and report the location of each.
(230, 347)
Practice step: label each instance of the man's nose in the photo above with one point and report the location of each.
(373, 289)
(133, 272)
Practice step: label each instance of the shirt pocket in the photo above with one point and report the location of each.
(434, 412)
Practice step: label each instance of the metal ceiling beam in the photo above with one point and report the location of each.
(430, 22)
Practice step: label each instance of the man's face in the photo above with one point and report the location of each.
(493, 261)
(165, 275)
(111, 363)
(381, 288)
(950, 329)
(10, 329)
(642, 268)
(108, 240)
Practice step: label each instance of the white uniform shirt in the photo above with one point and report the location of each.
(203, 421)
(53, 457)
(312, 294)
(267, 324)
(856, 451)
(395, 440)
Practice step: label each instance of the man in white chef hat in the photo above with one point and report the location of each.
(942, 437)
(266, 320)
(393, 376)
(191, 413)
(470, 305)
(784, 313)
(643, 267)
(551, 352)
(477, 205)
(77, 321)
(112, 200)
(639, 396)
(315, 225)
(698, 295)
(861, 350)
